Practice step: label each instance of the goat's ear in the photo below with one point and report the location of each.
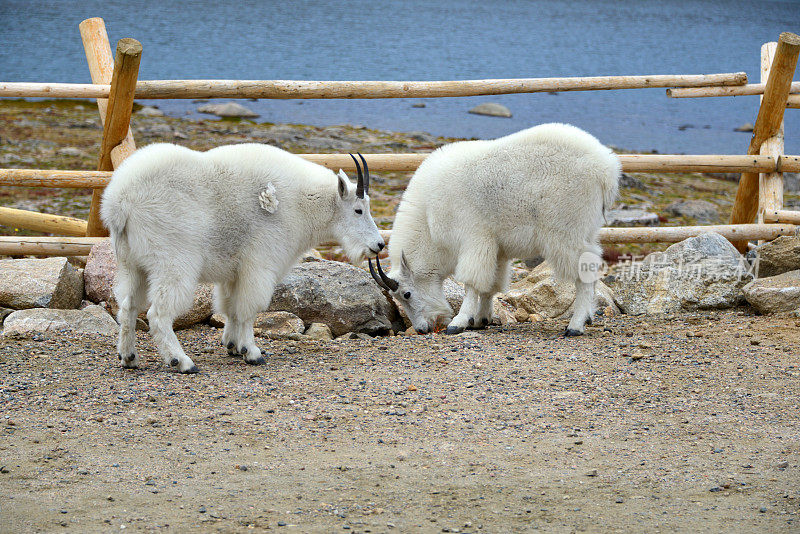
(405, 270)
(344, 184)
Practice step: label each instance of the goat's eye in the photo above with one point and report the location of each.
(407, 295)
(358, 211)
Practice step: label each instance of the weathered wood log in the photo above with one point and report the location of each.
(409, 162)
(47, 246)
(737, 90)
(101, 68)
(282, 89)
(770, 184)
(42, 222)
(782, 216)
(770, 116)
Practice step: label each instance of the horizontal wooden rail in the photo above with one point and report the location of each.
(281, 89)
(80, 246)
(783, 216)
(409, 162)
(47, 246)
(42, 222)
(739, 90)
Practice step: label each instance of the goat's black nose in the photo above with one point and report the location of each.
(381, 245)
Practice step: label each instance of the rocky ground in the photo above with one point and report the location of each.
(679, 421)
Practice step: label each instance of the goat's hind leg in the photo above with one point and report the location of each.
(130, 290)
(171, 295)
(582, 309)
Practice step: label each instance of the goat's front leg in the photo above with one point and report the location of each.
(468, 314)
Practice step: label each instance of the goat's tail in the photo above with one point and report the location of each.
(114, 215)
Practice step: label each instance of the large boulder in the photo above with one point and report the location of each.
(40, 283)
(626, 216)
(337, 294)
(775, 294)
(701, 211)
(271, 324)
(704, 272)
(491, 109)
(99, 273)
(779, 256)
(228, 110)
(92, 320)
(543, 294)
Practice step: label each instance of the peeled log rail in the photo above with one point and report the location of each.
(783, 216)
(42, 222)
(283, 89)
(739, 90)
(47, 246)
(409, 162)
(80, 246)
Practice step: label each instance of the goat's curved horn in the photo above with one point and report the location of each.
(391, 285)
(376, 277)
(360, 183)
(366, 173)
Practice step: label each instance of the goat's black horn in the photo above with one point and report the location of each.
(376, 277)
(392, 284)
(366, 173)
(360, 183)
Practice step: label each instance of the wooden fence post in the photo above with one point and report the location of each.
(770, 185)
(115, 120)
(768, 122)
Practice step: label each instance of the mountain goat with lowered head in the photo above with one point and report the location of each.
(239, 216)
(472, 206)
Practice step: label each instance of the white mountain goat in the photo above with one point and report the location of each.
(239, 216)
(472, 206)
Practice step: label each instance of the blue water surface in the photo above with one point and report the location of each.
(435, 40)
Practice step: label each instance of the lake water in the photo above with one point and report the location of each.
(435, 40)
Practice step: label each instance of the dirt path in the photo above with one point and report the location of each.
(689, 423)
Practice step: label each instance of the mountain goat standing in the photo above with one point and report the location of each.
(239, 216)
(472, 206)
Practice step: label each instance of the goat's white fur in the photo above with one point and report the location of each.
(472, 206)
(239, 216)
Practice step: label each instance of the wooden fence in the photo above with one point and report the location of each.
(757, 213)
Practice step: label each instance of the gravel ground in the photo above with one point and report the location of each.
(686, 423)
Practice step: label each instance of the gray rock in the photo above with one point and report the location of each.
(156, 130)
(92, 320)
(541, 293)
(40, 283)
(150, 111)
(746, 127)
(779, 256)
(704, 272)
(229, 109)
(491, 109)
(71, 151)
(631, 217)
(626, 181)
(342, 296)
(700, 210)
(99, 273)
(319, 331)
(791, 182)
(775, 294)
(275, 325)
(201, 310)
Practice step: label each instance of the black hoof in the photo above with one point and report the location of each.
(572, 333)
(174, 362)
(230, 345)
(589, 320)
(454, 330)
(243, 350)
(130, 358)
(258, 361)
(193, 370)
(485, 321)
(471, 321)
(119, 356)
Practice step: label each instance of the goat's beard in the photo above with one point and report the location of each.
(355, 253)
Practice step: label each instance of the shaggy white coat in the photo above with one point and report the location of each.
(239, 216)
(472, 206)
